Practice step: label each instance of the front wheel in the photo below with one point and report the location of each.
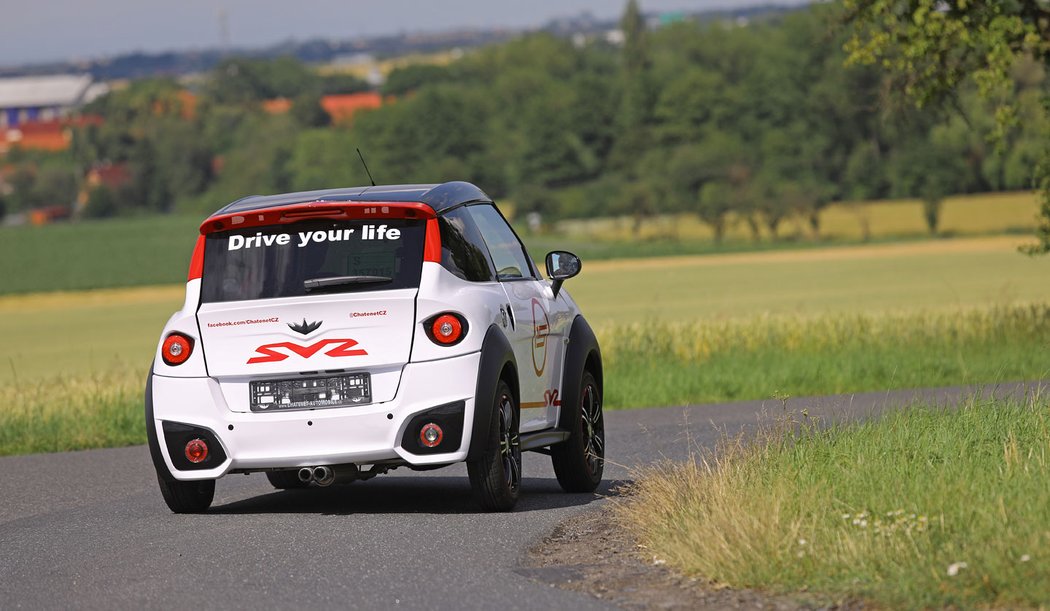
(495, 477)
(580, 460)
(187, 497)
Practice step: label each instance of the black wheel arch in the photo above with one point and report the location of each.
(582, 354)
(497, 361)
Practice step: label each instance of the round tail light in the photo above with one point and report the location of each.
(176, 349)
(196, 451)
(430, 435)
(446, 329)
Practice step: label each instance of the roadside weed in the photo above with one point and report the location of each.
(925, 507)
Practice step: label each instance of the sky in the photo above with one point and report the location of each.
(57, 30)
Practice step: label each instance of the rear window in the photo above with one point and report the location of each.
(278, 261)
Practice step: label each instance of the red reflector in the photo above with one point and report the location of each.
(196, 451)
(430, 435)
(176, 349)
(446, 329)
(197, 262)
(432, 243)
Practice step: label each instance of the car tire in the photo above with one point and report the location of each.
(580, 460)
(187, 497)
(495, 478)
(286, 480)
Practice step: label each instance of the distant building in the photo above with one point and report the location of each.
(51, 135)
(32, 99)
(342, 108)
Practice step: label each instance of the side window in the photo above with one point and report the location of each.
(508, 255)
(462, 248)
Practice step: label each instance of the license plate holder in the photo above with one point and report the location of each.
(313, 392)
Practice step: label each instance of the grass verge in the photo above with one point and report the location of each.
(655, 363)
(923, 508)
(102, 410)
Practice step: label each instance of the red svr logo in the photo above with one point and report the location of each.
(270, 355)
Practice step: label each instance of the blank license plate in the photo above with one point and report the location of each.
(308, 393)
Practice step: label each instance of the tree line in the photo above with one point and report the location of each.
(762, 122)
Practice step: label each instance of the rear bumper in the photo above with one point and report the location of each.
(357, 434)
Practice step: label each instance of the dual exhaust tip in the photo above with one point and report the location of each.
(322, 476)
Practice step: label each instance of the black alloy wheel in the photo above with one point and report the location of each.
(495, 477)
(579, 461)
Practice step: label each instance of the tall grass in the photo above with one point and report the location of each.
(924, 508)
(646, 364)
(657, 363)
(96, 411)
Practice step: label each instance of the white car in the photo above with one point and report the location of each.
(331, 336)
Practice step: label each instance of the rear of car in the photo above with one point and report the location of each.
(308, 338)
(331, 336)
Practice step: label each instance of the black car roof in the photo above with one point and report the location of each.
(439, 197)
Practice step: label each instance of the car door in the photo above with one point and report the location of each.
(537, 347)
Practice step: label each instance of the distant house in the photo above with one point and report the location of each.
(44, 98)
(277, 106)
(342, 108)
(51, 135)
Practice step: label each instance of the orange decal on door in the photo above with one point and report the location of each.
(540, 329)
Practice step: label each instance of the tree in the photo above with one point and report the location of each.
(715, 201)
(932, 47)
(636, 102)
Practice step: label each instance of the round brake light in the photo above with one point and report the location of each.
(446, 329)
(430, 435)
(176, 349)
(196, 451)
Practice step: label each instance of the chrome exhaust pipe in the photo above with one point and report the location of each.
(323, 476)
(306, 475)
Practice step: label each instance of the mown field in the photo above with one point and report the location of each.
(674, 331)
(925, 508)
(156, 250)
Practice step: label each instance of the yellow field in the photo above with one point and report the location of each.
(981, 214)
(70, 334)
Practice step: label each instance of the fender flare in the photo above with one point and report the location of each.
(151, 432)
(583, 346)
(496, 353)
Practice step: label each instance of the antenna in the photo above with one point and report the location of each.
(366, 167)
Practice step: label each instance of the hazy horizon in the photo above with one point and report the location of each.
(72, 30)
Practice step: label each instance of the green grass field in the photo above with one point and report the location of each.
(156, 250)
(924, 508)
(687, 330)
(79, 333)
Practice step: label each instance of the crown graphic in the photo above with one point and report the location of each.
(305, 328)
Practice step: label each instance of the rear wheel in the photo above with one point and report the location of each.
(187, 497)
(285, 480)
(495, 477)
(580, 460)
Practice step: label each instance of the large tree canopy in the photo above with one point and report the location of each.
(932, 47)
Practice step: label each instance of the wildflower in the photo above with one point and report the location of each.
(955, 567)
(801, 541)
(659, 561)
(846, 516)
(1025, 558)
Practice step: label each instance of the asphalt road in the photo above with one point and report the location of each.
(90, 530)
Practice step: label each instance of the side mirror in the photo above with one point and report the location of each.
(561, 266)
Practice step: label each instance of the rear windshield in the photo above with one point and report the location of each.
(280, 261)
